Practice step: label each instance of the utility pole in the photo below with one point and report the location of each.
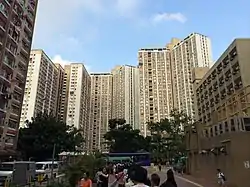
(53, 160)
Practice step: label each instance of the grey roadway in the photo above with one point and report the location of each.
(181, 181)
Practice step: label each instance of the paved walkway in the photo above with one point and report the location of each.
(185, 180)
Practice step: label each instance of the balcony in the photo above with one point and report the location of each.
(8, 2)
(30, 17)
(11, 48)
(12, 124)
(3, 89)
(25, 49)
(15, 110)
(2, 25)
(21, 3)
(17, 98)
(6, 77)
(27, 39)
(21, 72)
(3, 10)
(17, 22)
(2, 105)
(32, 4)
(14, 34)
(8, 63)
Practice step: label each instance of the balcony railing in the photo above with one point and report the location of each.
(9, 2)
(2, 105)
(17, 97)
(5, 76)
(8, 62)
(3, 10)
(12, 124)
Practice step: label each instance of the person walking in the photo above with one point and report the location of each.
(139, 176)
(155, 180)
(86, 181)
(120, 177)
(170, 182)
(221, 177)
(104, 178)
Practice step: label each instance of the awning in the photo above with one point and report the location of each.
(119, 158)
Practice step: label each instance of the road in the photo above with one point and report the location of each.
(181, 181)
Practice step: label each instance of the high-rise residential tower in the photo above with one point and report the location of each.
(78, 101)
(65, 93)
(126, 94)
(17, 19)
(60, 84)
(156, 97)
(100, 110)
(193, 51)
(41, 87)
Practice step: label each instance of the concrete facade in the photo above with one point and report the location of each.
(78, 101)
(156, 96)
(17, 20)
(125, 97)
(223, 119)
(41, 87)
(194, 51)
(100, 110)
(166, 79)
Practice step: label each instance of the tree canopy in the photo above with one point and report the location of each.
(167, 136)
(42, 133)
(122, 138)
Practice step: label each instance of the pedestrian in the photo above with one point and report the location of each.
(139, 176)
(155, 180)
(221, 177)
(86, 181)
(120, 177)
(104, 178)
(170, 182)
(97, 177)
(159, 166)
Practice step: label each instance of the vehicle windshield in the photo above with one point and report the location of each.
(39, 166)
(6, 167)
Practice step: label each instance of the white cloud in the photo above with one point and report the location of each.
(59, 17)
(59, 60)
(169, 17)
(127, 8)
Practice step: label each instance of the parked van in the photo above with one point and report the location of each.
(17, 172)
(44, 169)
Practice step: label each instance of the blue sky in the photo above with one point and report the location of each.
(105, 33)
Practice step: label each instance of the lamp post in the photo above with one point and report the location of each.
(53, 160)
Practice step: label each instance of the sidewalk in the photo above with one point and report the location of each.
(201, 181)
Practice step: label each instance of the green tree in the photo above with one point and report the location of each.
(42, 133)
(87, 163)
(122, 138)
(167, 136)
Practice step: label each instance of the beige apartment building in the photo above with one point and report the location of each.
(126, 94)
(166, 79)
(17, 19)
(41, 89)
(156, 96)
(223, 118)
(194, 51)
(65, 94)
(60, 84)
(78, 100)
(227, 78)
(100, 110)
